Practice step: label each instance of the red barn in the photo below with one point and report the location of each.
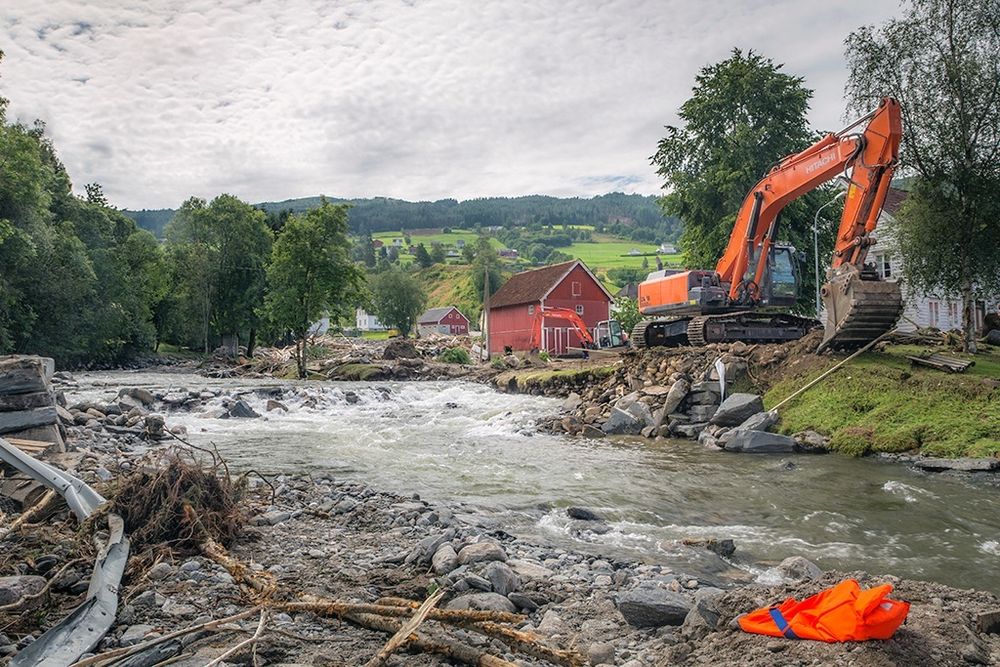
(567, 285)
(447, 320)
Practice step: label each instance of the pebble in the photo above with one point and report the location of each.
(160, 571)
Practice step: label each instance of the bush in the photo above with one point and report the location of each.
(544, 356)
(455, 355)
(498, 363)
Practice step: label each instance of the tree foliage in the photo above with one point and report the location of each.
(627, 313)
(311, 274)
(743, 116)
(941, 60)
(397, 300)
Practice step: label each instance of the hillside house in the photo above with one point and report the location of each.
(508, 253)
(365, 321)
(447, 320)
(568, 285)
(919, 309)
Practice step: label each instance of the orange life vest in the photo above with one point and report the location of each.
(842, 613)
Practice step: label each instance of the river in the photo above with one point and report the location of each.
(457, 441)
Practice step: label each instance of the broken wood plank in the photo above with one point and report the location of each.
(942, 363)
(31, 446)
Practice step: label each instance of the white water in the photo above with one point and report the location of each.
(462, 442)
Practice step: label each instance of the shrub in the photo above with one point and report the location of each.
(455, 355)
(498, 363)
(544, 356)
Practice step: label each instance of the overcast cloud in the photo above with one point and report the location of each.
(160, 100)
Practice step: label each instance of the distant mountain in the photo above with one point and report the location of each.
(383, 214)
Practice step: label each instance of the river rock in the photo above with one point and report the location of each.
(737, 408)
(812, 442)
(424, 551)
(482, 602)
(273, 405)
(762, 421)
(135, 634)
(759, 442)
(678, 391)
(11, 422)
(649, 606)
(481, 552)
(797, 568)
(689, 430)
(621, 422)
(14, 588)
(161, 570)
(701, 413)
(572, 402)
(527, 569)
(601, 653)
(242, 410)
(154, 425)
(143, 396)
(963, 465)
(704, 616)
(445, 559)
(501, 578)
(583, 514)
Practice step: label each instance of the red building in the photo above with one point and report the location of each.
(567, 285)
(448, 320)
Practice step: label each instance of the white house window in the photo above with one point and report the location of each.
(579, 309)
(952, 312)
(933, 313)
(531, 309)
(883, 264)
(577, 290)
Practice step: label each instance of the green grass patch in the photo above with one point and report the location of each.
(527, 378)
(881, 403)
(455, 355)
(378, 335)
(357, 372)
(613, 254)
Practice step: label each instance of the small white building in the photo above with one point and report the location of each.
(364, 321)
(667, 249)
(921, 310)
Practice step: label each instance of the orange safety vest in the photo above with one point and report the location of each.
(842, 613)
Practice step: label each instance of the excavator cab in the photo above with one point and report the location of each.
(782, 285)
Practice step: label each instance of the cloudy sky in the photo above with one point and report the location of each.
(159, 100)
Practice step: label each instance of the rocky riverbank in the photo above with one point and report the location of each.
(312, 540)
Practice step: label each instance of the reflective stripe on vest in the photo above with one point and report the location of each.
(782, 624)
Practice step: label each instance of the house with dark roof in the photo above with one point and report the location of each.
(920, 309)
(447, 320)
(513, 307)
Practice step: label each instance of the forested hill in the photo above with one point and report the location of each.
(384, 214)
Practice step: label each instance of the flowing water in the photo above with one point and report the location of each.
(456, 441)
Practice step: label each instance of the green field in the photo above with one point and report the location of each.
(429, 236)
(615, 254)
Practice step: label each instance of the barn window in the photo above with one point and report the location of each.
(933, 313)
(579, 309)
(531, 309)
(577, 290)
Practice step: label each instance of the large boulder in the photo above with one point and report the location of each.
(503, 579)
(242, 410)
(678, 391)
(445, 559)
(642, 413)
(143, 396)
(481, 552)
(797, 568)
(400, 348)
(737, 408)
(762, 421)
(482, 602)
(649, 606)
(759, 442)
(705, 616)
(621, 422)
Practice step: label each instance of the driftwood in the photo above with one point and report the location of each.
(451, 649)
(340, 608)
(251, 641)
(36, 510)
(406, 631)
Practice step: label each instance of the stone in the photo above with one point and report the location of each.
(445, 559)
(242, 410)
(655, 390)
(352, 397)
(703, 398)
(993, 337)
(689, 430)
(24, 374)
(812, 442)
(572, 402)
(649, 606)
(678, 391)
(621, 422)
(759, 442)
(423, 552)
(501, 578)
(797, 568)
(161, 570)
(526, 569)
(601, 653)
(481, 552)
(962, 465)
(523, 602)
(273, 405)
(590, 431)
(144, 396)
(583, 514)
(705, 616)
(135, 634)
(642, 413)
(553, 625)
(701, 413)
(16, 587)
(737, 408)
(482, 602)
(11, 422)
(272, 518)
(155, 425)
(762, 421)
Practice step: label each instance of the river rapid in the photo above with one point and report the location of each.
(458, 442)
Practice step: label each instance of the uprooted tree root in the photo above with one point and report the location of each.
(181, 504)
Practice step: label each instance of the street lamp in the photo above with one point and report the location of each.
(838, 196)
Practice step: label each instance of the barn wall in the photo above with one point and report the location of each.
(510, 325)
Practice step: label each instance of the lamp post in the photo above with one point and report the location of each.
(838, 196)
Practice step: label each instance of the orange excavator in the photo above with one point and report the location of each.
(757, 277)
(608, 332)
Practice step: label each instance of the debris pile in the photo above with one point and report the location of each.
(28, 410)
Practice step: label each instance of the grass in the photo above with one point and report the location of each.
(357, 371)
(528, 378)
(429, 236)
(378, 335)
(881, 403)
(608, 254)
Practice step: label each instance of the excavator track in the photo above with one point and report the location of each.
(661, 332)
(748, 326)
(858, 311)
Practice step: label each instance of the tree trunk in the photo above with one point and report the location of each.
(251, 342)
(969, 318)
(300, 357)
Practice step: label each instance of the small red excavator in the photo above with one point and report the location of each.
(741, 300)
(608, 332)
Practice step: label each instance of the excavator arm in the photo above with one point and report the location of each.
(575, 321)
(871, 157)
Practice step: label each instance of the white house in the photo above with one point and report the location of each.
(919, 309)
(366, 322)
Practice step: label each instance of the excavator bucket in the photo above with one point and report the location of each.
(858, 311)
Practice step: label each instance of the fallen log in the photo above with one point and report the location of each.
(406, 632)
